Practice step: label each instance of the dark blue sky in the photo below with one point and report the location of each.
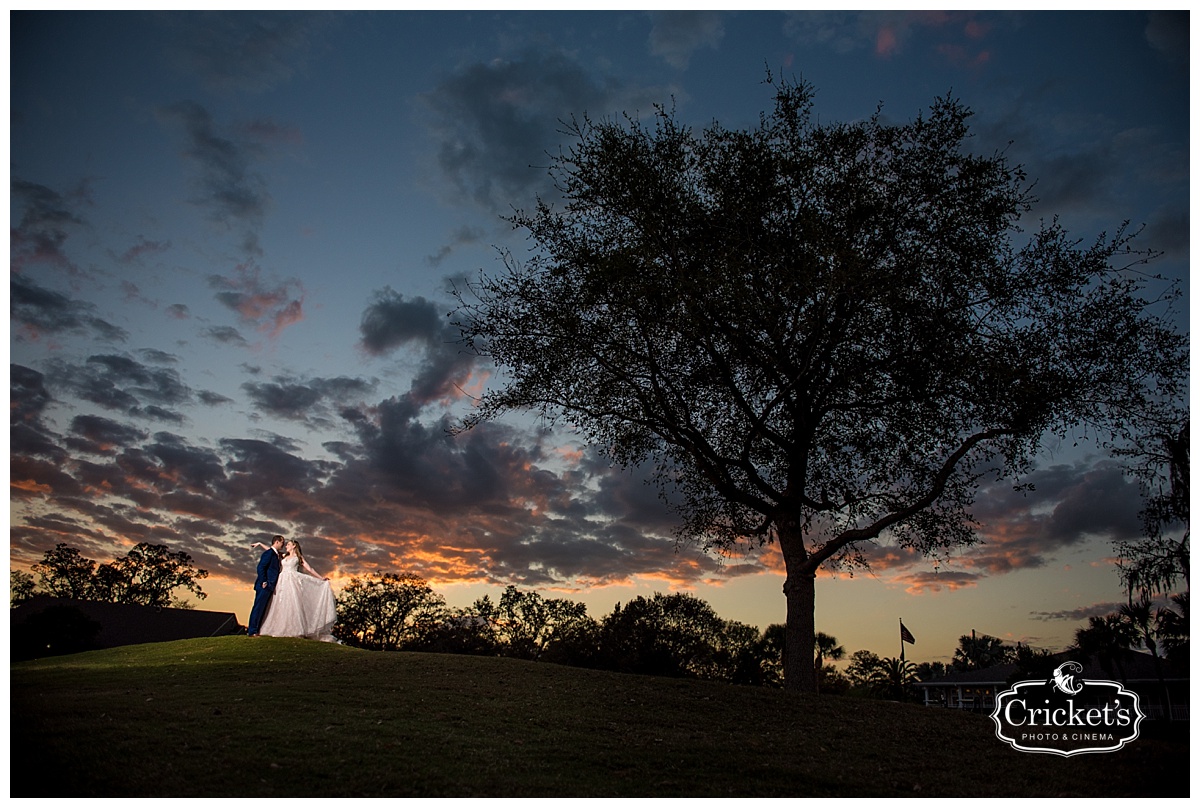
(232, 235)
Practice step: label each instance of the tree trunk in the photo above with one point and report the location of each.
(800, 589)
(799, 673)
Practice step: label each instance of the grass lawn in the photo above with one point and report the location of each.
(242, 717)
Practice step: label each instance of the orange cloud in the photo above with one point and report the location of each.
(30, 487)
(923, 583)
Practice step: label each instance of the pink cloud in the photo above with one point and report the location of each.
(290, 314)
(885, 42)
(975, 29)
(268, 306)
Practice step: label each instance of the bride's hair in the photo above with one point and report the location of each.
(296, 549)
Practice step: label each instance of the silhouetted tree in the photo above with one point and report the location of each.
(827, 646)
(975, 653)
(1032, 663)
(890, 677)
(896, 678)
(1106, 638)
(576, 643)
(819, 334)
(928, 671)
(20, 587)
(832, 681)
(1174, 628)
(457, 631)
(64, 573)
(148, 575)
(665, 635)
(388, 612)
(738, 658)
(527, 623)
(1149, 624)
(862, 669)
(1160, 559)
(774, 638)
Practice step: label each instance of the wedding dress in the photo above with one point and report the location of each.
(303, 605)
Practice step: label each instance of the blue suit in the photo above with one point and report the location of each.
(269, 567)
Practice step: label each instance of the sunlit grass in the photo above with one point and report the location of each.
(236, 716)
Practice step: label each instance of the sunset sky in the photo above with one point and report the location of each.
(232, 237)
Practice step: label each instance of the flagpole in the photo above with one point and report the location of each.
(901, 639)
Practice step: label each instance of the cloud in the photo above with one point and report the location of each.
(142, 249)
(96, 434)
(232, 193)
(890, 33)
(45, 224)
(247, 52)
(119, 382)
(391, 322)
(1083, 165)
(29, 436)
(1079, 614)
(920, 583)
(226, 335)
(461, 236)
(494, 504)
(676, 35)
(38, 311)
(1167, 33)
(211, 399)
(1069, 507)
(267, 305)
(310, 401)
(495, 123)
(27, 394)
(1169, 231)
(265, 130)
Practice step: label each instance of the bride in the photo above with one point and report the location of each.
(303, 605)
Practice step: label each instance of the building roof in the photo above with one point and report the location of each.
(127, 624)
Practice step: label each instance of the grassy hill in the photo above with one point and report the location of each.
(235, 716)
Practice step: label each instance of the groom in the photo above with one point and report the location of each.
(269, 567)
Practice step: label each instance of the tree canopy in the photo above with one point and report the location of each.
(148, 575)
(1160, 559)
(817, 333)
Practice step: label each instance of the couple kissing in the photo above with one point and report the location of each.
(291, 599)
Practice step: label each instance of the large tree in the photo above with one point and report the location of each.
(148, 575)
(820, 334)
(527, 623)
(1160, 559)
(388, 612)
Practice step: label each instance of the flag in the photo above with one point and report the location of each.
(906, 635)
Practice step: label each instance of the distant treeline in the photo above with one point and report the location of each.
(676, 635)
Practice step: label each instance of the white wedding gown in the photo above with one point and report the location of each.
(303, 605)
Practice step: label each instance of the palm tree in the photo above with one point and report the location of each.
(894, 676)
(1106, 638)
(1149, 624)
(826, 646)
